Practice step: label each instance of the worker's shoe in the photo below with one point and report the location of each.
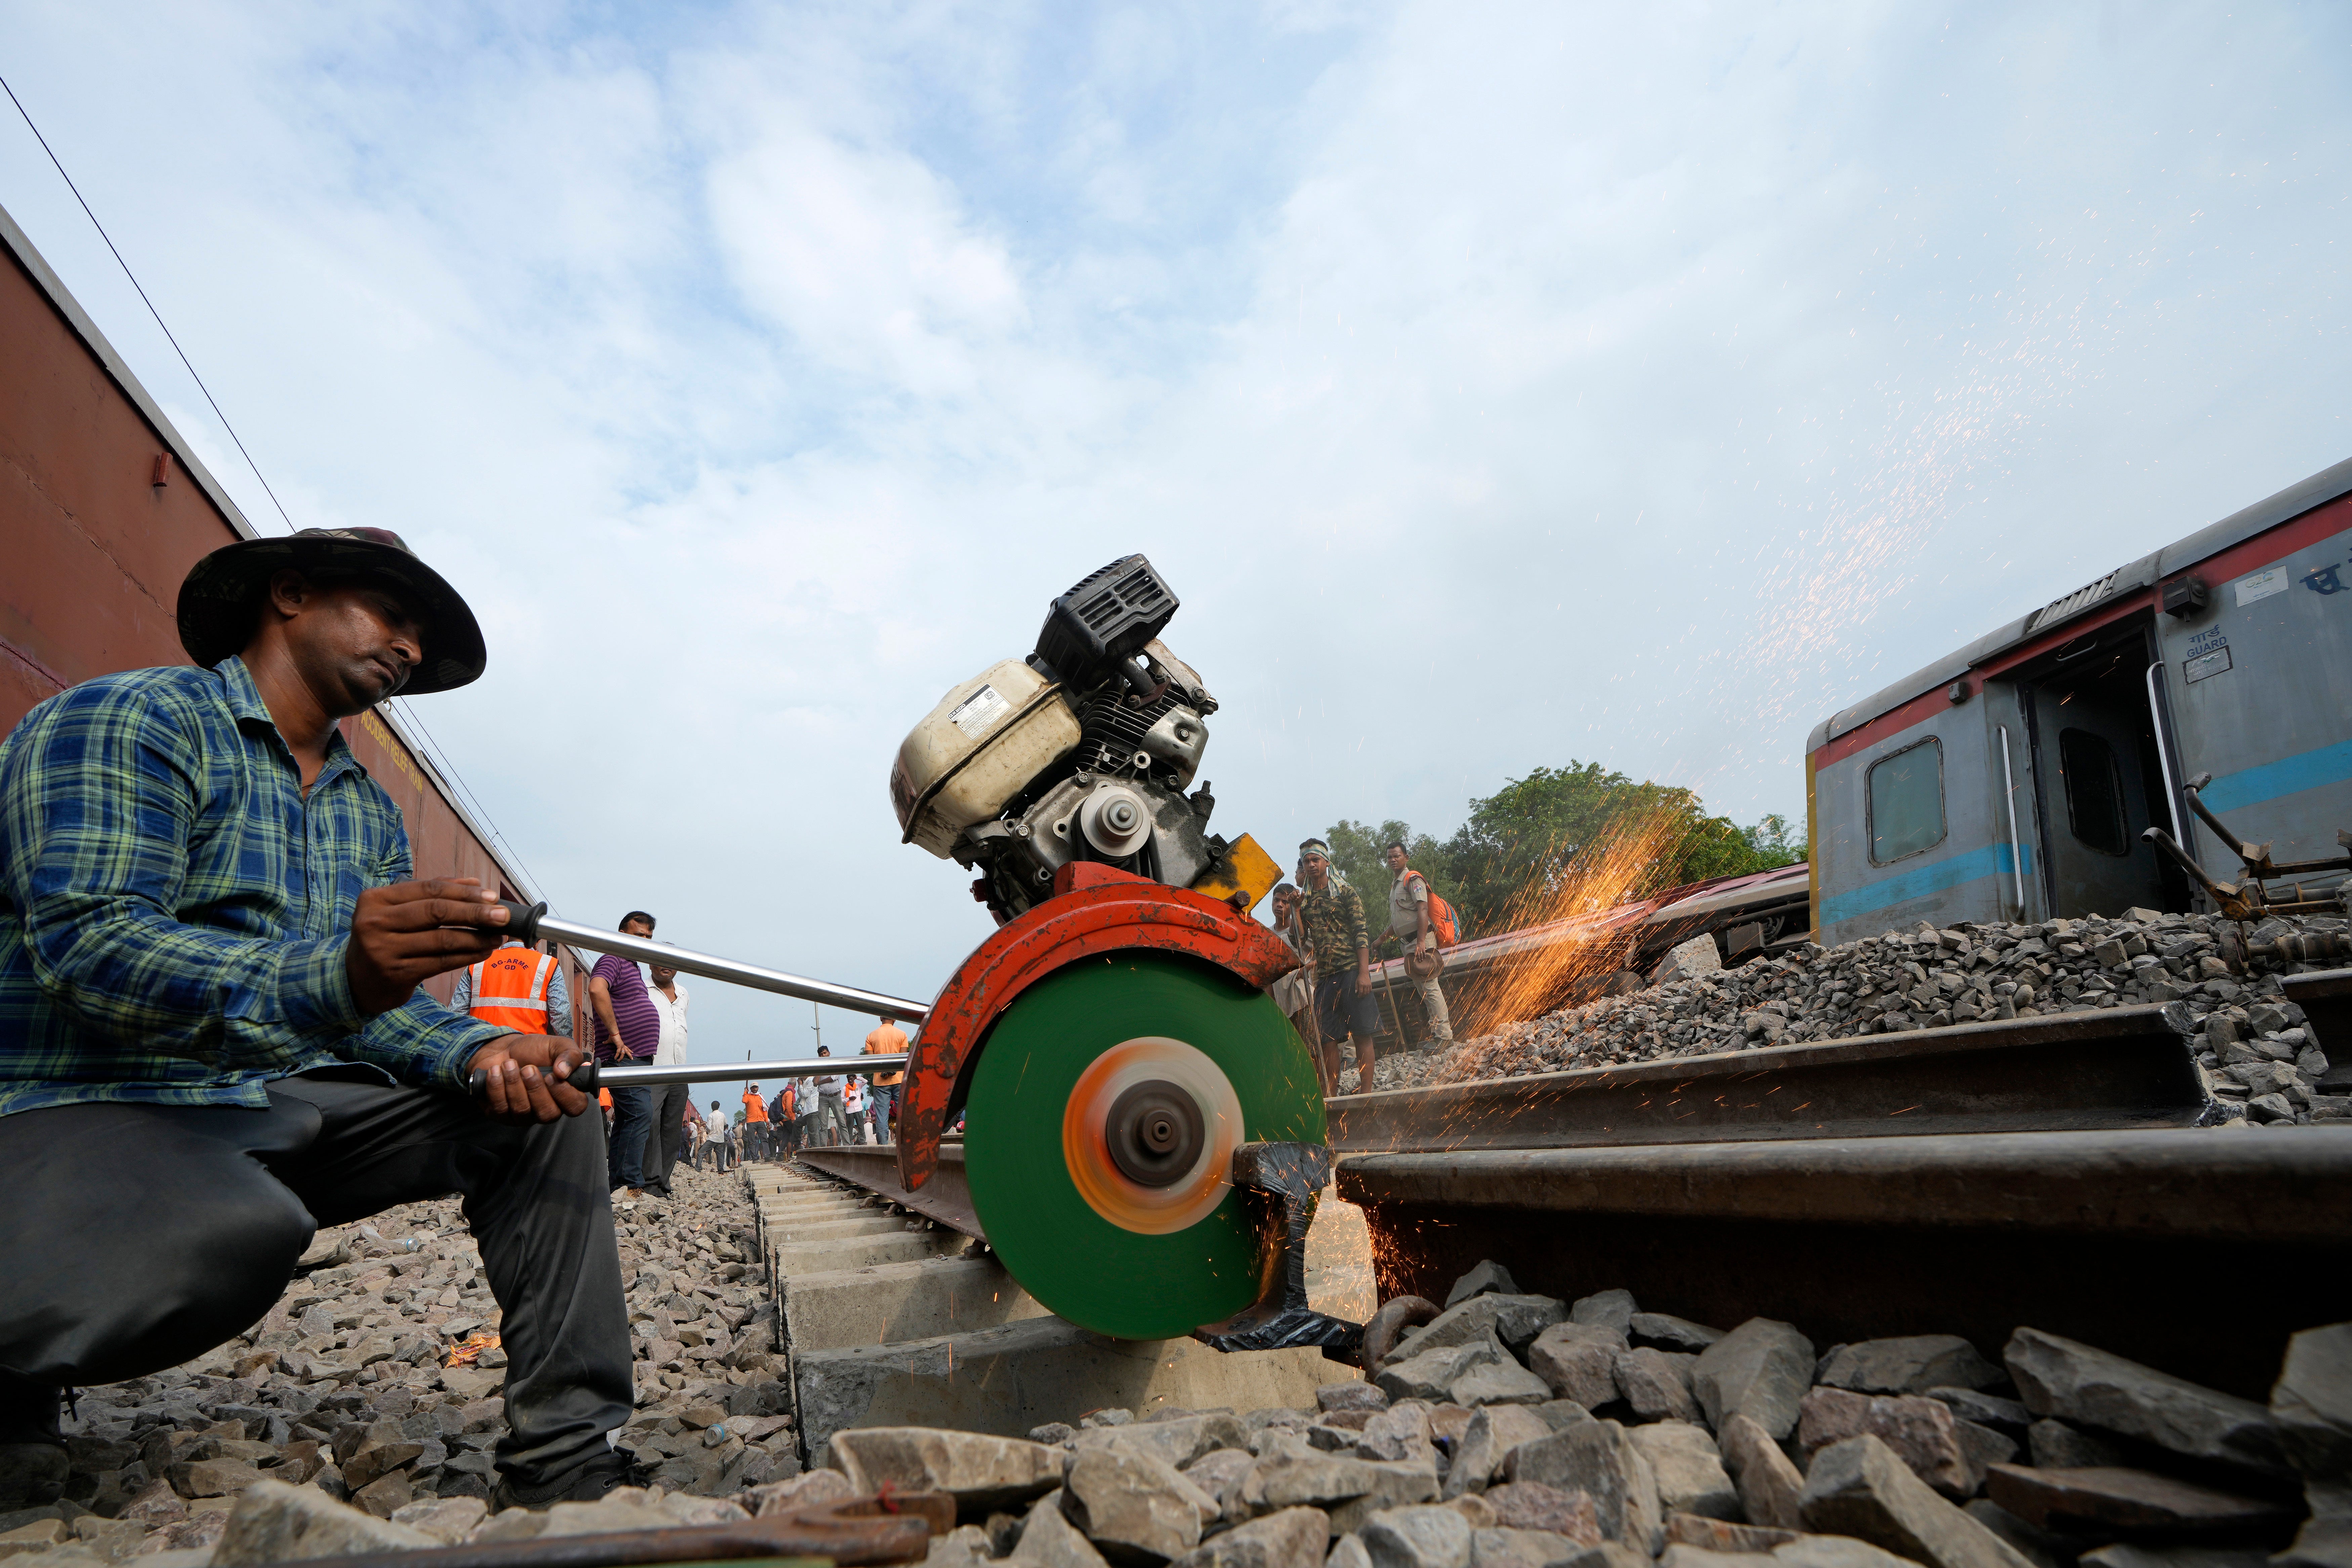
(601, 1473)
(31, 1474)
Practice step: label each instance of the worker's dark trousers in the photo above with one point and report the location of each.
(625, 1156)
(666, 1132)
(138, 1237)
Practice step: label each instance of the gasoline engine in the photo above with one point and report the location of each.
(1077, 754)
(1143, 1131)
(1144, 1137)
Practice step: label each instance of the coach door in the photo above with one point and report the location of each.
(2099, 776)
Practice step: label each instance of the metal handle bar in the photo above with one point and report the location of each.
(628, 1075)
(591, 1076)
(532, 924)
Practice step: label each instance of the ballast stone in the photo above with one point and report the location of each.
(274, 1522)
(1424, 1537)
(1772, 1488)
(1294, 1538)
(1909, 1366)
(1048, 1539)
(982, 1473)
(1686, 1469)
(1577, 1361)
(1512, 1320)
(1136, 1510)
(1489, 1275)
(2092, 1388)
(1599, 1459)
(1859, 1488)
(1656, 1383)
(1761, 1370)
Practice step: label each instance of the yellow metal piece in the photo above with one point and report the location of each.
(1246, 870)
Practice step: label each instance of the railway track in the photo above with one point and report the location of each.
(2046, 1171)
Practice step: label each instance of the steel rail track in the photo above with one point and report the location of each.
(946, 1197)
(2121, 1068)
(2044, 1171)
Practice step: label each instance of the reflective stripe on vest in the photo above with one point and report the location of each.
(510, 989)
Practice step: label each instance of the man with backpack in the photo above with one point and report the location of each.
(1424, 922)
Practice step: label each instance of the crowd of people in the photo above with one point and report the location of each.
(822, 1111)
(641, 1019)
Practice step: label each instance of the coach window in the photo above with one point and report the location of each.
(2094, 792)
(1906, 802)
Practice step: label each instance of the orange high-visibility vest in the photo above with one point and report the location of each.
(510, 989)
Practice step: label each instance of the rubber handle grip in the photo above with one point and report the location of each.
(522, 924)
(583, 1076)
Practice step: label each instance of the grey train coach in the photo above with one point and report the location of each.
(2012, 780)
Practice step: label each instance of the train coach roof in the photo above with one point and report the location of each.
(2291, 502)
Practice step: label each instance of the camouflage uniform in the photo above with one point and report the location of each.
(1334, 919)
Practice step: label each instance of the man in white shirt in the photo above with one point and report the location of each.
(828, 1104)
(668, 1130)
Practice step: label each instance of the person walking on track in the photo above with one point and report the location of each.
(213, 1038)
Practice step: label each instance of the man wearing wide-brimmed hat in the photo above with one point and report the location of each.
(212, 1040)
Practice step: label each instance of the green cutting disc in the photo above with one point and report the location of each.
(1099, 1133)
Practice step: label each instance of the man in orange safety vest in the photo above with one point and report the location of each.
(518, 988)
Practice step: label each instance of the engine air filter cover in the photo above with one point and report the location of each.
(1108, 616)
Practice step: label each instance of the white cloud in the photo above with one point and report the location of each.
(1497, 386)
(862, 256)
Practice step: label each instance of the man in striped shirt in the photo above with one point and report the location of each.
(628, 1028)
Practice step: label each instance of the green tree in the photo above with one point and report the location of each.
(1560, 838)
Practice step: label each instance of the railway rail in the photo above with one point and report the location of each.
(2048, 1171)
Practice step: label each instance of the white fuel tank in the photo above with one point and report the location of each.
(978, 749)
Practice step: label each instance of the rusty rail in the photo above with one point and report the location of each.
(2116, 1068)
(2138, 1241)
(946, 1197)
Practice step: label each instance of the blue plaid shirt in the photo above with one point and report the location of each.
(173, 910)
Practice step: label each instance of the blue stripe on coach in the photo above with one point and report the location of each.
(1991, 860)
(2288, 775)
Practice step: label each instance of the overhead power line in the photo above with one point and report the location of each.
(438, 754)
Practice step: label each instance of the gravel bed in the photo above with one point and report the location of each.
(1513, 1431)
(2260, 1062)
(355, 1386)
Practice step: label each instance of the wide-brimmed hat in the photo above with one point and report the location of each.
(222, 596)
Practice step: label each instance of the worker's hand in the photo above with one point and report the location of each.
(411, 931)
(526, 1074)
(1363, 975)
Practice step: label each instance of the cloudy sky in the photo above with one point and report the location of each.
(1498, 384)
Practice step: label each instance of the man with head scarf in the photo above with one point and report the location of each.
(1332, 915)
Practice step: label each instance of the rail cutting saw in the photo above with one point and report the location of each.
(1143, 1130)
